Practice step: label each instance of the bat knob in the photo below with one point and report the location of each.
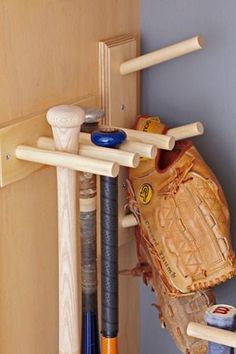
(221, 316)
(66, 121)
(108, 137)
(65, 116)
(93, 114)
(92, 117)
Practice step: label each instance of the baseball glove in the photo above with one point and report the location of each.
(175, 313)
(183, 215)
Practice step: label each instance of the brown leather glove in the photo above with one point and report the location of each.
(175, 313)
(183, 215)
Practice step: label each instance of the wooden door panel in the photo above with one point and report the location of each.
(49, 49)
(49, 55)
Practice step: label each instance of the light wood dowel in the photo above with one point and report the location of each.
(71, 161)
(162, 55)
(48, 143)
(123, 158)
(66, 122)
(143, 149)
(129, 221)
(212, 334)
(161, 141)
(186, 131)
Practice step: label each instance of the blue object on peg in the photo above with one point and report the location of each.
(221, 316)
(109, 137)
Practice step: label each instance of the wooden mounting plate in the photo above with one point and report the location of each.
(25, 132)
(119, 99)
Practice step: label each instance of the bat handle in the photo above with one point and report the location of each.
(66, 122)
(88, 245)
(109, 245)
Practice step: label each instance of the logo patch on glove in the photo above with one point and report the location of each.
(145, 193)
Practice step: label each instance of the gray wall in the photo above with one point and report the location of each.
(200, 86)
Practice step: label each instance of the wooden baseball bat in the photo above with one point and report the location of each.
(66, 122)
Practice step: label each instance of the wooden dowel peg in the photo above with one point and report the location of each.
(66, 122)
(123, 158)
(129, 221)
(186, 131)
(85, 138)
(47, 143)
(143, 149)
(161, 55)
(212, 334)
(66, 160)
(161, 141)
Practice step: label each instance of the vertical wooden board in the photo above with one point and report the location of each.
(122, 89)
(119, 97)
(118, 94)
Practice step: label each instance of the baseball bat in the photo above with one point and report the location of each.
(109, 245)
(66, 122)
(89, 335)
(218, 331)
(220, 316)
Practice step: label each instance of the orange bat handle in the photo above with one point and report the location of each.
(109, 345)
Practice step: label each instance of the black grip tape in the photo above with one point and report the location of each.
(109, 245)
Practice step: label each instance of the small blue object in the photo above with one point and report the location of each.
(108, 137)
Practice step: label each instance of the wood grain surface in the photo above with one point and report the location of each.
(48, 56)
(66, 122)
